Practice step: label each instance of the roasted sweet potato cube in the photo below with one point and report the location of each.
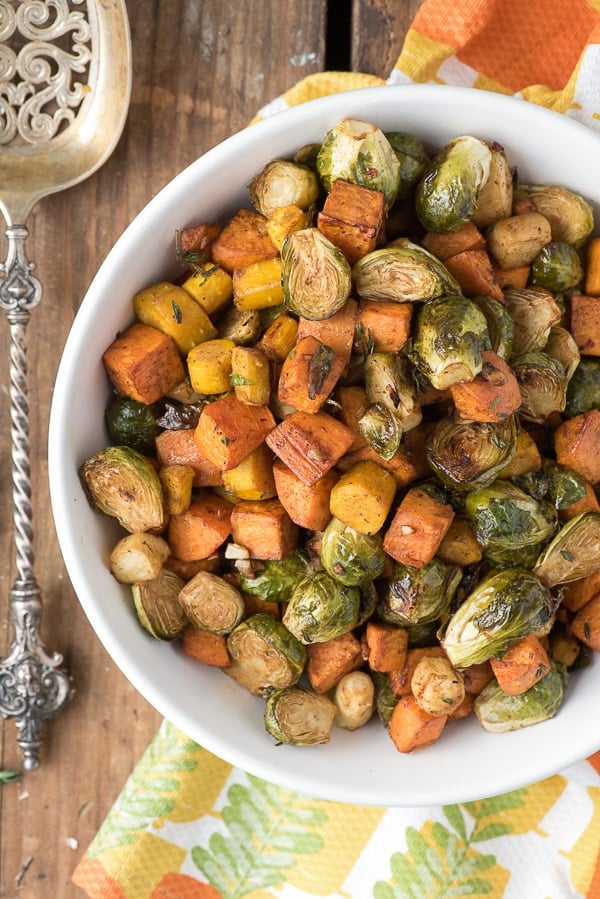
(492, 395)
(198, 532)
(180, 448)
(585, 323)
(328, 662)
(386, 645)
(447, 244)
(229, 430)
(309, 374)
(577, 593)
(417, 528)
(385, 326)
(353, 219)
(195, 242)
(143, 363)
(353, 402)
(310, 444)
(205, 646)
(577, 443)
(264, 528)
(336, 332)
(522, 665)
(244, 240)
(473, 271)
(586, 624)
(512, 277)
(412, 728)
(307, 506)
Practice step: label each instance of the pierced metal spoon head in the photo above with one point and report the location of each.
(65, 83)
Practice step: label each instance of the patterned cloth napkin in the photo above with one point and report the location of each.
(187, 825)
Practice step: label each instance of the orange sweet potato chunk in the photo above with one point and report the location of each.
(180, 448)
(328, 662)
(307, 506)
(385, 325)
(417, 528)
(243, 240)
(310, 444)
(309, 374)
(229, 430)
(412, 728)
(201, 530)
(577, 443)
(336, 332)
(143, 363)
(353, 219)
(264, 528)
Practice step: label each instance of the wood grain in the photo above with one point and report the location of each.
(378, 31)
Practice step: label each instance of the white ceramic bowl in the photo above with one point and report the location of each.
(363, 766)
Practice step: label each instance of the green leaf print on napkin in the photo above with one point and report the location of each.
(440, 860)
(149, 791)
(268, 827)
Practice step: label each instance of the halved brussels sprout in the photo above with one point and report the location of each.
(240, 325)
(315, 275)
(307, 155)
(158, 607)
(543, 385)
(413, 159)
(402, 273)
(321, 608)
(382, 430)
(275, 580)
(264, 654)
(418, 595)
(583, 391)
(451, 335)
(571, 217)
(388, 383)
(498, 712)
(349, 556)
(448, 192)
(283, 183)
(297, 716)
(509, 524)
(500, 325)
(503, 608)
(467, 454)
(211, 603)
(130, 423)
(359, 152)
(562, 347)
(121, 482)
(574, 553)
(494, 200)
(557, 267)
(385, 698)
(534, 312)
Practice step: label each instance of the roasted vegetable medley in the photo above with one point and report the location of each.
(354, 446)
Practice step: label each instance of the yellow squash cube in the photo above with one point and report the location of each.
(258, 285)
(209, 366)
(171, 309)
(363, 496)
(210, 286)
(253, 478)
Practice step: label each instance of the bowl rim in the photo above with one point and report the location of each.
(465, 100)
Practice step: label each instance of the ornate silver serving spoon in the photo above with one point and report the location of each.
(65, 82)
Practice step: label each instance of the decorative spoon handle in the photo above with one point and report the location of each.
(33, 687)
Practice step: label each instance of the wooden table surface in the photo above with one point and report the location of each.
(200, 72)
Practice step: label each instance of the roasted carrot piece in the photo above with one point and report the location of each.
(492, 395)
(592, 269)
(201, 530)
(328, 662)
(336, 332)
(417, 529)
(585, 323)
(400, 678)
(576, 443)
(384, 325)
(445, 245)
(577, 593)
(387, 646)
(412, 728)
(586, 624)
(363, 496)
(229, 430)
(205, 646)
(309, 374)
(474, 272)
(243, 240)
(180, 448)
(353, 219)
(587, 503)
(307, 506)
(310, 444)
(264, 528)
(522, 665)
(143, 363)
